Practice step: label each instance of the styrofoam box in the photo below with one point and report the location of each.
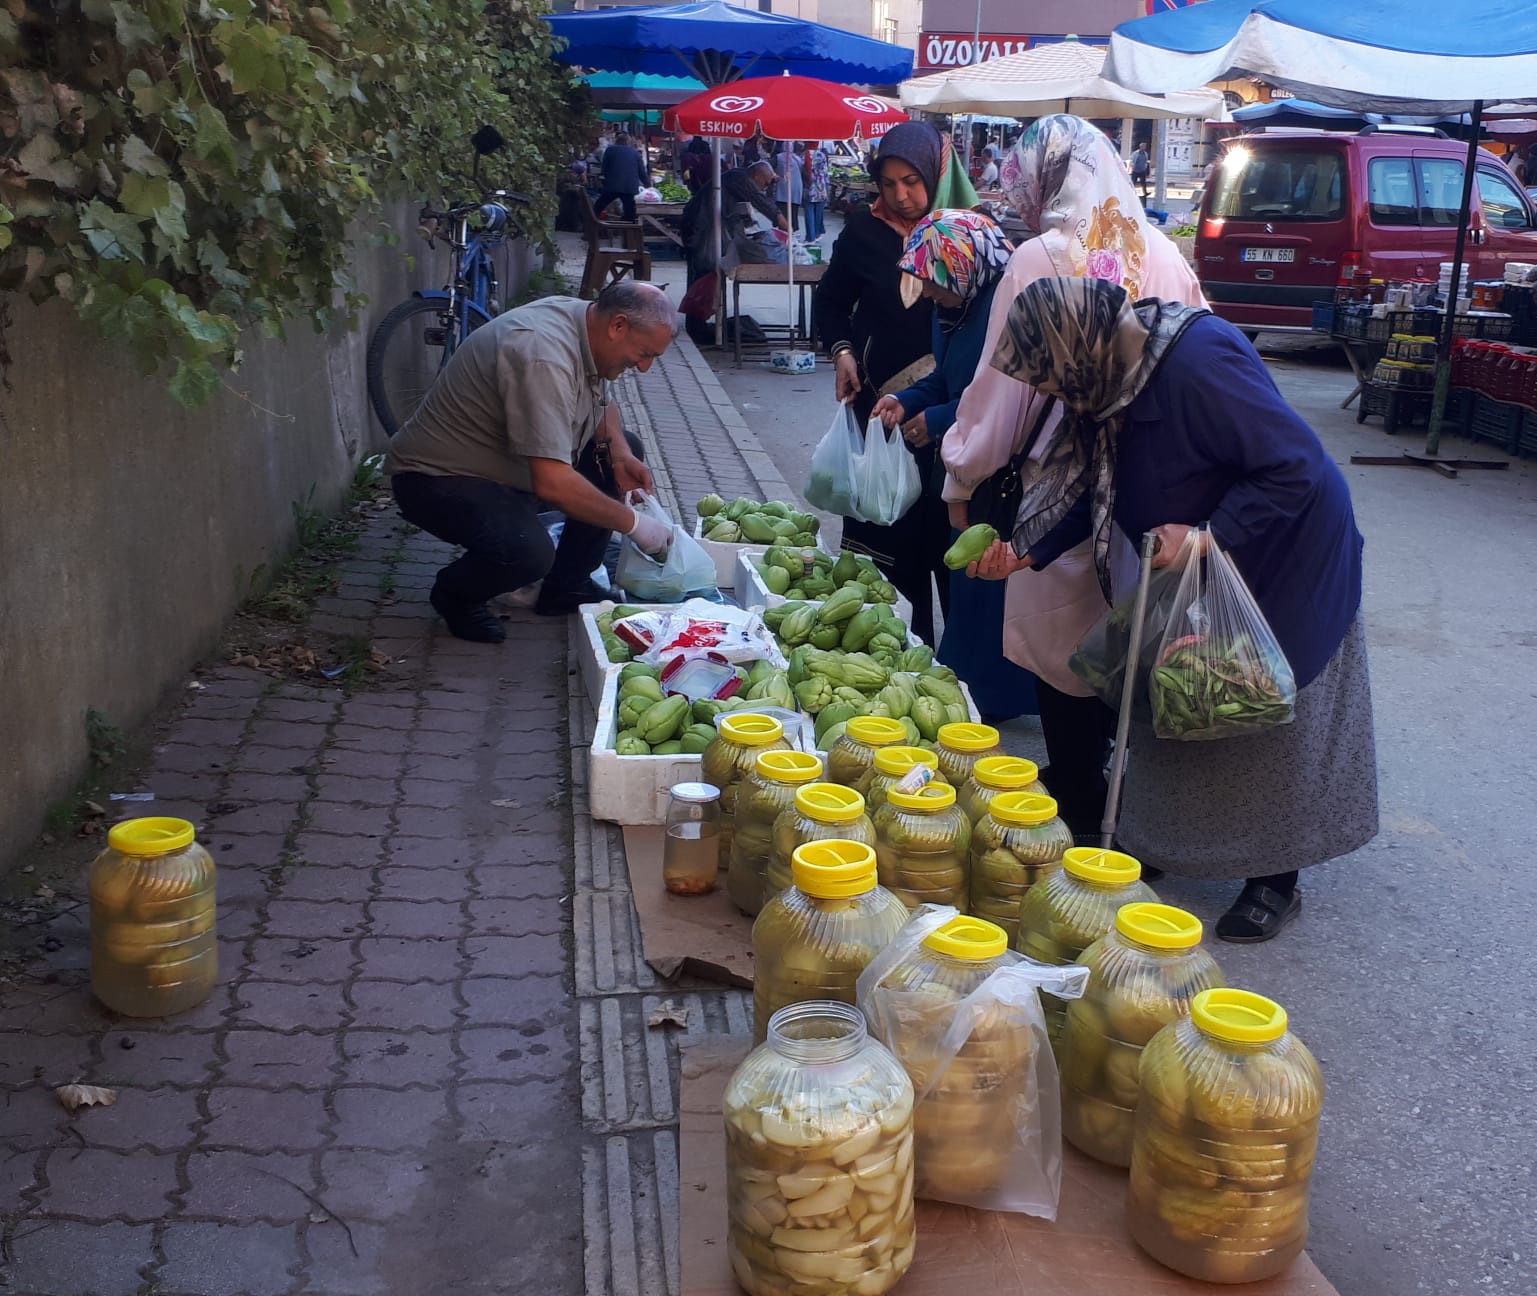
(752, 592)
(725, 555)
(595, 666)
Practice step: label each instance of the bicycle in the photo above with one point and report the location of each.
(412, 343)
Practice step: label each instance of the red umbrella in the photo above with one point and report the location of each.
(784, 108)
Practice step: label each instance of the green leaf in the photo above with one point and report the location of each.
(113, 235)
(133, 28)
(212, 139)
(168, 16)
(138, 156)
(194, 383)
(144, 195)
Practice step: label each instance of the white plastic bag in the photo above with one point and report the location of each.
(930, 1034)
(886, 481)
(830, 487)
(700, 629)
(685, 569)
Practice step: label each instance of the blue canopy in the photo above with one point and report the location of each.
(1299, 112)
(718, 42)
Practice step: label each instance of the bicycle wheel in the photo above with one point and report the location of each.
(404, 355)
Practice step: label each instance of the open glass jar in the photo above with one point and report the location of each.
(691, 843)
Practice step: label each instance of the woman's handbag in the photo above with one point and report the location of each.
(996, 500)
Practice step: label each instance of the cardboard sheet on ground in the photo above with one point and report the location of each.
(1086, 1252)
(705, 935)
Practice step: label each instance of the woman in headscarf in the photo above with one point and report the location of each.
(1172, 422)
(1067, 183)
(955, 259)
(878, 346)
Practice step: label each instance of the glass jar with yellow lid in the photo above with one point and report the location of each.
(153, 895)
(821, 812)
(1016, 844)
(739, 738)
(892, 765)
(991, 775)
(1225, 1140)
(960, 745)
(921, 841)
(1143, 974)
(852, 757)
(762, 797)
(814, 938)
(1071, 909)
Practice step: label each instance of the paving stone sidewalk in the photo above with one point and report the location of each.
(427, 1066)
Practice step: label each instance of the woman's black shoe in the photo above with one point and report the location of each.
(1259, 914)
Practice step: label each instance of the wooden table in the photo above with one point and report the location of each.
(661, 217)
(805, 276)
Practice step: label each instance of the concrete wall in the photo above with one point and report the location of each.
(130, 527)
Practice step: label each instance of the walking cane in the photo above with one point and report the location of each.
(1128, 693)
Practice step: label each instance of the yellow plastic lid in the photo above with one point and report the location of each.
(973, 939)
(929, 799)
(876, 731)
(1005, 773)
(789, 766)
(963, 736)
(751, 730)
(1101, 867)
(144, 838)
(833, 870)
(829, 803)
(898, 760)
(1238, 1016)
(1159, 925)
(1023, 808)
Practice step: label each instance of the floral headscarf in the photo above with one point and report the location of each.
(963, 251)
(1068, 184)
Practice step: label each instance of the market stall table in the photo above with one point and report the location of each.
(805, 275)
(663, 218)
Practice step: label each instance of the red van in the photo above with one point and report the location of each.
(1287, 215)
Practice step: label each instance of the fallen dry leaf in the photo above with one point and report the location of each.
(507, 803)
(75, 1096)
(668, 1013)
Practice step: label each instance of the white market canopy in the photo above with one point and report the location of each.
(1064, 77)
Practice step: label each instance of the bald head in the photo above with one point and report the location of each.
(629, 326)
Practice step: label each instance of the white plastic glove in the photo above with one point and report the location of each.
(650, 536)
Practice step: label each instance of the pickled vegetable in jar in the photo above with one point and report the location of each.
(822, 812)
(740, 736)
(961, 745)
(1071, 909)
(991, 775)
(1143, 974)
(921, 841)
(1226, 1136)
(814, 938)
(764, 795)
(852, 757)
(153, 947)
(1017, 843)
(892, 765)
(689, 845)
(819, 1159)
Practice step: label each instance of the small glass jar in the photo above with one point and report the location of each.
(765, 795)
(892, 765)
(822, 812)
(819, 1159)
(814, 938)
(1225, 1141)
(921, 841)
(1071, 909)
(1018, 842)
(153, 894)
(991, 775)
(692, 839)
(740, 736)
(961, 745)
(852, 757)
(1143, 974)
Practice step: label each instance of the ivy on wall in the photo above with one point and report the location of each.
(182, 170)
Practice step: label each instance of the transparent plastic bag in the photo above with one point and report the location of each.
(684, 570)
(1219, 671)
(1100, 658)
(984, 1078)
(830, 486)
(886, 481)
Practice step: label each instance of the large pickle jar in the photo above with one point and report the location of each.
(892, 765)
(819, 1159)
(920, 846)
(1143, 973)
(813, 939)
(852, 757)
(763, 796)
(964, 1127)
(992, 775)
(822, 812)
(730, 758)
(153, 950)
(961, 745)
(1226, 1135)
(1071, 909)
(1018, 843)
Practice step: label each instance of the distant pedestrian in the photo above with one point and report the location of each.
(989, 176)
(624, 176)
(695, 165)
(818, 189)
(791, 192)
(1141, 169)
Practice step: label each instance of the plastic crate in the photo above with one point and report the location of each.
(1397, 406)
(1323, 317)
(1496, 423)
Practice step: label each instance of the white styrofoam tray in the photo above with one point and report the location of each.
(725, 554)
(752, 592)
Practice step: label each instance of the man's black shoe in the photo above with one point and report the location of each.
(562, 602)
(476, 623)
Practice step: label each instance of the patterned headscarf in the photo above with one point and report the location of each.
(963, 251)
(1087, 343)
(929, 154)
(1068, 185)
